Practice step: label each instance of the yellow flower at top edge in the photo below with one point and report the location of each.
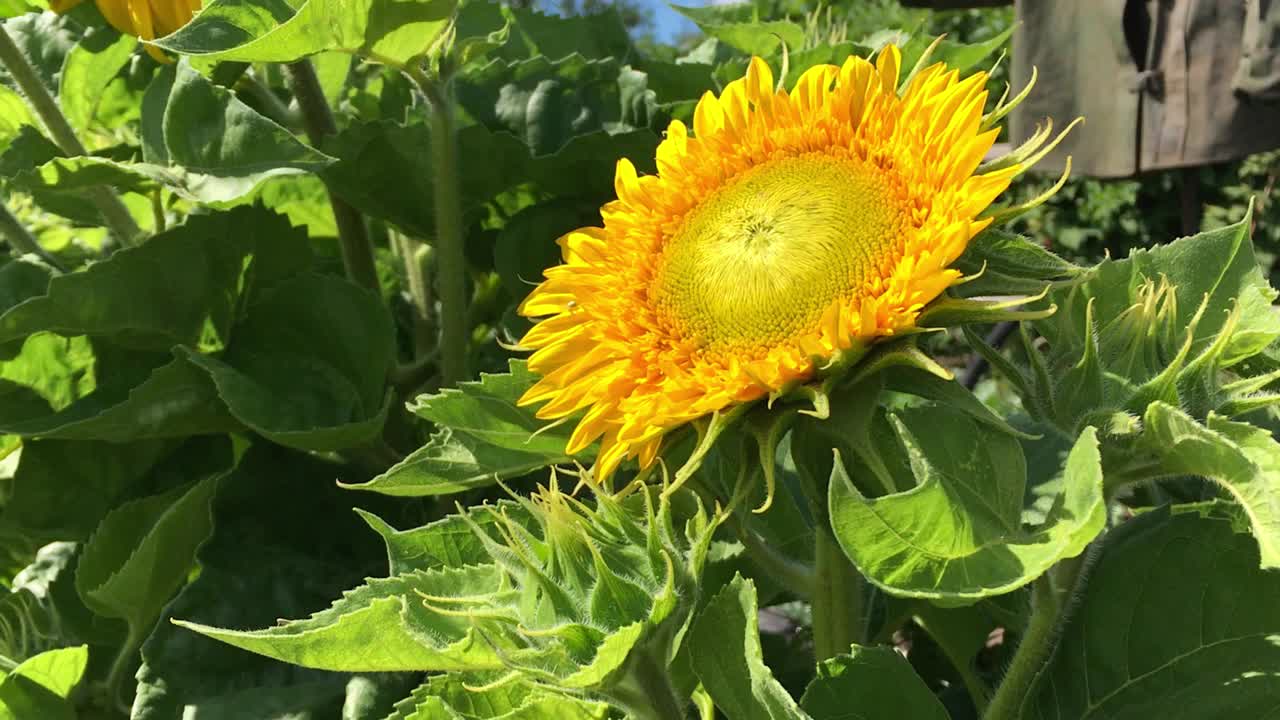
(143, 19)
(787, 229)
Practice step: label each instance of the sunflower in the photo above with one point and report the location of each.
(144, 19)
(779, 239)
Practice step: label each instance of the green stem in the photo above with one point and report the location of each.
(646, 692)
(120, 666)
(21, 240)
(317, 118)
(839, 598)
(451, 264)
(1035, 648)
(795, 576)
(418, 260)
(113, 211)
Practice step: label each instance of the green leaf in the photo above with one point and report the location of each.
(740, 27)
(14, 114)
(445, 543)
(958, 535)
(64, 488)
(1243, 458)
(199, 140)
(453, 696)
(177, 399)
(487, 411)
(38, 688)
(594, 36)
(453, 462)
(860, 685)
(385, 31)
(142, 552)
(46, 39)
(384, 169)
(308, 365)
(208, 262)
(726, 655)
(958, 56)
(546, 103)
(284, 544)
(381, 626)
(526, 245)
(89, 68)
(1002, 263)
(1168, 627)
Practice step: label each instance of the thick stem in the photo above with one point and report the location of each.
(451, 263)
(21, 240)
(795, 576)
(357, 251)
(1033, 651)
(114, 213)
(646, 693)
(418, 260)
(839, 599)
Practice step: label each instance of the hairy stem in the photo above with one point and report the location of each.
(451, 265)
(838, 602)
(418, 260)
(114, 213)
(646, 692)
(317, 119)
(795, 576)
(1051, 595)
(21, 240)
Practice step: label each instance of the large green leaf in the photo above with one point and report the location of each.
(546, 103)
(958, 535)
(285, 543)
(453, 462)
(143, 551)
(741, 27)
(1176, 621)
(208, 264)
(388, 31)
(864, 683)
(64, 488)
(487, 411)
(308, 365)
(382, 626)
(1245, 459)
(448, 542)
(384, 168)
(199, 140)
(484, 437)
(176, 399)
(726, 655)
(89, 68)
(455, 696)
(40, 686)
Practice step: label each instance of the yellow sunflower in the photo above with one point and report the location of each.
(144, 19)
(788, 231)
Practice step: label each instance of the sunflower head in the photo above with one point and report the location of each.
(143, 19)
(780, 238)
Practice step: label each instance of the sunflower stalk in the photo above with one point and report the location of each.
(114, 212)
(317, 118)
(451, 266)
(20, 239)
(1053, 595)
(838, 599)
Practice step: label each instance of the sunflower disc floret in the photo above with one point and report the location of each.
(787, 231)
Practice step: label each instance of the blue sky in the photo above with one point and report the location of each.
(668, 23)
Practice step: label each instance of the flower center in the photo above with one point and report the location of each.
(758, 262)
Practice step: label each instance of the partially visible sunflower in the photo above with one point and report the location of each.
(143, 19)
(789, 231)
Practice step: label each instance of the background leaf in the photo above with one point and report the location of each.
(863, 683)
(1164, 628)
